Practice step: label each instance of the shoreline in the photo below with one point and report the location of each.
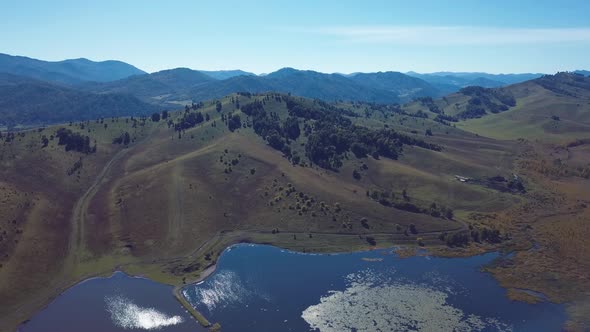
(208, 271)
(177, 292)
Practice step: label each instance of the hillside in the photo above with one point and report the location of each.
(70, 72)
(25, 101)
(550, 108)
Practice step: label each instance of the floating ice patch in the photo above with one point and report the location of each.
(128, 315)
(369, 304)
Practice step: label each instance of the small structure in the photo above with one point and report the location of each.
(462, 178)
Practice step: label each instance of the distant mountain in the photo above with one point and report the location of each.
(313, 84)
(450, 82)
(159, 88)
(176, 86)
(25, 101)
(582, 72)
(396, 82)
(68, 72)
(225, 74)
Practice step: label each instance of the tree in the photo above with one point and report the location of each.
(126, 138)
(234, 122)
(156, 117)
(291, 127)
(371, 240)
(356, 175)
(218, 106)
(164, 114)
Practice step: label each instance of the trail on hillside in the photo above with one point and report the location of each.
(81, 207)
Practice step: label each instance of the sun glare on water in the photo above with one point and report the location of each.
(128, 315)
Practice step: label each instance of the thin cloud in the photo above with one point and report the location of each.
(451, 35)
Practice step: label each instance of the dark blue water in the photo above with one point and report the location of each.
(263, 288)
(117, 303)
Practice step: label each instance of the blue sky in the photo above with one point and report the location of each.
(328, 36)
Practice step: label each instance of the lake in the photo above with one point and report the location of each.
(264, 288)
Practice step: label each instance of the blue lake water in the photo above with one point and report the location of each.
(263, 288)
(117, 303)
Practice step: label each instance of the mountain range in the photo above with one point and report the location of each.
(103, 89)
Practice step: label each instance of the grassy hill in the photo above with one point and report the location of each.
(552, 108)
(26, 102)
(70, 72)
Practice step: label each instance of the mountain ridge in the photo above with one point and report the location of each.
(69, 72)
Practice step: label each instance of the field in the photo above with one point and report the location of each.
(165, 203)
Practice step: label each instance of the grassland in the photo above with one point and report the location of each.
(167, 204)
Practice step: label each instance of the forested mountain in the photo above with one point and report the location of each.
(25, 101)
(404, 85)
(179, 85)
(68, 72)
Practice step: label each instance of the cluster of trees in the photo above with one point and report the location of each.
(429, 102)
(445, 119)
(328, 143)
(269, 126)
(234, 122)
(516, 185)
(463, 238)
(482, 99)
(329, 130)
(389, 199)
(74, 141)
(190, 120)
(123, 139)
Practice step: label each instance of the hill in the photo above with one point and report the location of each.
(166, 87)
(26, 102)
(406, 87)
(549, 108)
(68, 72)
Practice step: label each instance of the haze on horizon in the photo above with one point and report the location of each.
(331, 36)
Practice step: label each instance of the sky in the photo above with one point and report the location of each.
(328, 36)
